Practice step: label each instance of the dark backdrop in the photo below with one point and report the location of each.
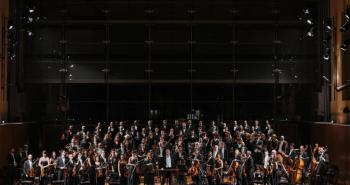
(165, 59)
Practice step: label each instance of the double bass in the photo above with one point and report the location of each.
(299, 165)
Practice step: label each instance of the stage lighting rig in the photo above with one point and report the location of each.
(343, 86)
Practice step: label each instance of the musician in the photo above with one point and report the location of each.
(113, 165)
(322, 161)
(181, 166)
(132, 164)
(148, 169)
(28, 168)
(13, 161)
(282, 146)
(61, 166)
(167, 163)
(52, 163)
(44, 164)
(101, 162)
(217, 172)
(249, 168)
(122, 169)
(72, 169)
(195, 172)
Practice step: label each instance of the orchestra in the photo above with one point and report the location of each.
(241, 153)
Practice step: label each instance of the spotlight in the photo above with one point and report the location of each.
(345, 26)
(30, 33)
(345, 45)
(329, 25)
(306, 11)
(347, 13)
(30, 19)
(326, 55)
(326, 79)
(311, 32)
(10, 27)
(343, 86)
(31, 10)
(71, 66)
(310, 21)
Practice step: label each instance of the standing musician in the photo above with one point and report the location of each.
(44, 164)
(195, 173)
(148, 169)
(132, 165)
(112, 166)
(72, 178)
(122, 169)
(62, 166)
(217, 172)
(182, 167)
(110, 153)
(28, 168)
(210, 167)
(100, 162)
(167, 165)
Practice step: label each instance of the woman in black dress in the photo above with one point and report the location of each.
(122, 169)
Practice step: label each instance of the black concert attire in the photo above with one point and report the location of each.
(44, 179)
(132, 179)
(148, 171)
(182, 167)
(123, 172)
(13, 161)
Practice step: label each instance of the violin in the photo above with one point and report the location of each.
(194, 170)
(31, 172)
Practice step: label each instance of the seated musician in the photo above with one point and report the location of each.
(28, 168)
(167, 164)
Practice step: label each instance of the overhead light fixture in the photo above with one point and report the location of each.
(311, 32)
(343, 86)
(327, 53)
(306, 11)
(345, 45)
(347, 13)
(329, 25)
(31, 10)
(326, 79)
(30, 33)
(310, 21)
(345, 26)
(10, 27)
